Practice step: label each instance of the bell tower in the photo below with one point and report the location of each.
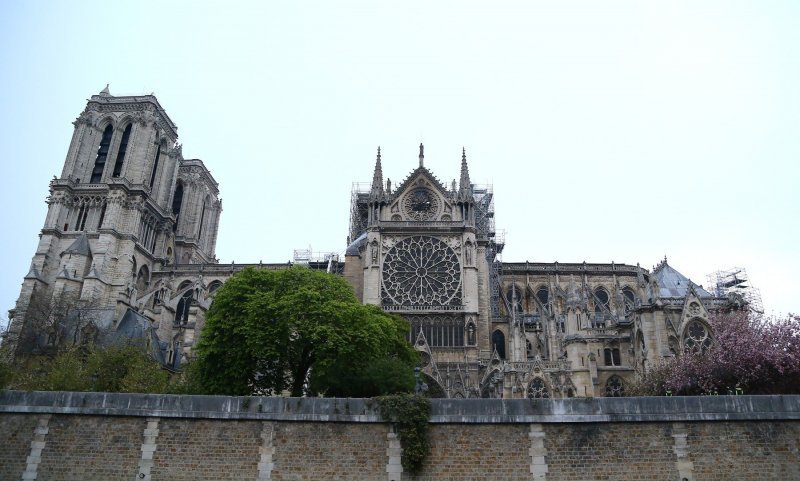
(113, 217)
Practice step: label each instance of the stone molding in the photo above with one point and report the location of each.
(460, 411)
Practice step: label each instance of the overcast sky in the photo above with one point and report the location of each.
(611, 131)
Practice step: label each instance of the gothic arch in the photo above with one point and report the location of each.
(499, 343)
(184, 303)
(142, 279)
(511, 292)
(490, 382)
(538, 388)
(471, 331)
(629, 295)
(696, 335)
(104, 121)
(212, 288)
(125, 120)
(435, 390)
(601, 297)
(542, 294)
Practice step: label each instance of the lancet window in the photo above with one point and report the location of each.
(439, 331)
(600, 308)
(155, 166)
(102, 155)
(123, 147)
(177, 203)
(499, 343)
(182, 310)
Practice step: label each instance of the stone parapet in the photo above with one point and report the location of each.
(460, 411)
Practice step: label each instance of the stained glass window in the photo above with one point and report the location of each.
(421, 271)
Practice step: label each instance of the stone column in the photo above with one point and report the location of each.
(682, 463)
(394, 466)
(267, 450)
(37, 445)
(538, 453)
(149, 446)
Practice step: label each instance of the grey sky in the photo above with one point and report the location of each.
(620, 131)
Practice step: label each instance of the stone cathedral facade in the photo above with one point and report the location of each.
(130, 234)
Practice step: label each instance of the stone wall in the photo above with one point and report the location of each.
(97, 436)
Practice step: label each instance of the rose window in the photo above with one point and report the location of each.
(421, 271)
(421, 204)
(697, 337)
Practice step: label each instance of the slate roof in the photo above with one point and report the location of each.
(80, 246)
(672, 283)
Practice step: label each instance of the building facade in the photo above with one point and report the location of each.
(129, 241)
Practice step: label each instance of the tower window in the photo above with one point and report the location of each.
(202, 219)
(123, 147)
(102, 216)
(155, 166)
(83, 212)
(102, 155)
(177, 202)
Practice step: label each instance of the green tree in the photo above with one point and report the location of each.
(378, 378)
(268, 331)
(125, 368)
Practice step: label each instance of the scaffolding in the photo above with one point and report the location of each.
(328, 261)
(485, 231)
(359, 210)
(735, 281)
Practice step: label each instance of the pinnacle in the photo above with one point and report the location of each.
(376, 191)
(465, 184)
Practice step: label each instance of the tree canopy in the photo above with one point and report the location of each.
(119, 368)
(755, 354)
(269, 331)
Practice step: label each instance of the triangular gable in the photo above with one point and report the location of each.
(412, 180)
(693, 306)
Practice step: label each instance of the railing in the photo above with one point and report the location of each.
(528, 365)
(415, 223)
(422, 308)
(571, 267)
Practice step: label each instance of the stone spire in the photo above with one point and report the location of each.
(376, 192)
(105, 92)
(421, 155)
(465, 185)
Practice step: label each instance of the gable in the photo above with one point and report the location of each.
(421, 197)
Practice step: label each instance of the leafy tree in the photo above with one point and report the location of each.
(757, 354)
(378, 378)
(268, 331)
(124, 368)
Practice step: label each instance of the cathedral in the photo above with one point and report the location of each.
(128, 250)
